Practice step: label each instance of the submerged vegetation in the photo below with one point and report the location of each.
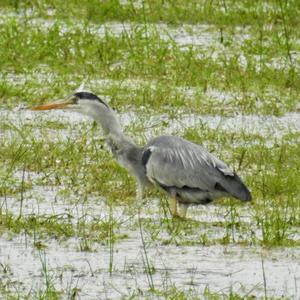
(181, 67)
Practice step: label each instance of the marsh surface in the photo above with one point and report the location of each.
(223, 74)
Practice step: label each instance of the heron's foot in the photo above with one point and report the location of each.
(177, 210)
(182, 210)
(173, 207)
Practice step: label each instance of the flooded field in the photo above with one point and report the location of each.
(104, 270)
(70, 224)
(195, 268)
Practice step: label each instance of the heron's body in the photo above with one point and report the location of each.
(184, 170)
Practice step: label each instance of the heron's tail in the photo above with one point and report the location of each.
(243, 192)
(236, 188)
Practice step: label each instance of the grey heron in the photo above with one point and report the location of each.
(186, 171)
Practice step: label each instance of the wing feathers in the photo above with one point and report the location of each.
(178, 162)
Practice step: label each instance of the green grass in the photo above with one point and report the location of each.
(68, 51)
(223, 13)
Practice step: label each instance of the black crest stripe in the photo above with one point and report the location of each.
(90, 96)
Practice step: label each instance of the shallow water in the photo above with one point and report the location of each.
(220, 268)
(217, 267)
(251, 124)
(271, 127)
(200, 35)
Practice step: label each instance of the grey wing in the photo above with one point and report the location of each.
(175, 162)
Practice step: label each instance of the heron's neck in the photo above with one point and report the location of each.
(127, 153)
(108, 121)
(112, 129)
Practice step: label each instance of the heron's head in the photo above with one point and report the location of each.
(83, 102)
(88, 104)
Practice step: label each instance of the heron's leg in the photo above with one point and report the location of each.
(140, 192)
(182, 210)
(173, 206)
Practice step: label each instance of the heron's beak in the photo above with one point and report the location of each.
(61, 104)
